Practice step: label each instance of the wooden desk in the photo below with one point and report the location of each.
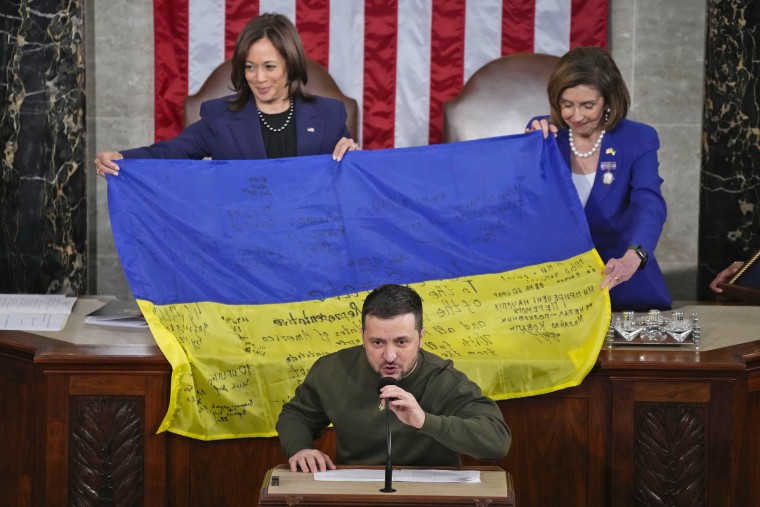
(79, 411)
(297, 488)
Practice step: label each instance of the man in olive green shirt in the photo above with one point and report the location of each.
(440, 413)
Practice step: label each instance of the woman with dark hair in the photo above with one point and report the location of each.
(614, 167)
(270, 115)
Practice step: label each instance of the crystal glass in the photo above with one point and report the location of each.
(627, 326)
(679, 327)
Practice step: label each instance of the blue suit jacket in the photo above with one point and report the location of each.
(628, 211)
(225, 135)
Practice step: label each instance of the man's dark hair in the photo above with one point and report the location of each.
(391, 300)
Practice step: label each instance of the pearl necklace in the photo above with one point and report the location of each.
(287, 122)
(596, 146)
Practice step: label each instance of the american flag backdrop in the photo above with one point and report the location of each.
(400, 59)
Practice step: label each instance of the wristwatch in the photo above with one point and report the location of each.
(643, 255)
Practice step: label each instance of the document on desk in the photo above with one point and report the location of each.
(402, 475)
(35, 312)
(117, 313)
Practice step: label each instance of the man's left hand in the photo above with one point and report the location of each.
(404, 405)
(310, 460)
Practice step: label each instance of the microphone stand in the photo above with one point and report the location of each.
(388, 466)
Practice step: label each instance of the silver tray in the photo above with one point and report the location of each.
(654, 328)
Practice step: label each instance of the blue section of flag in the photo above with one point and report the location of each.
(273, 231)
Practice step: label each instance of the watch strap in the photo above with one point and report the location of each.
(643, 255)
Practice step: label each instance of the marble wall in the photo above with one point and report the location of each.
(43, 209)
(731, 139)
(659, 46)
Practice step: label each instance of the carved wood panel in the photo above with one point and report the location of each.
(106, 451)
(669, 455)
(16, 434)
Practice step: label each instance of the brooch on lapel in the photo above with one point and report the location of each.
(608, 167)
(610, 151)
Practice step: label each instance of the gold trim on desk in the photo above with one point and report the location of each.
(750, 262)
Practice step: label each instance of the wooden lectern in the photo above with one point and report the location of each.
(298, 488)
(79, 410)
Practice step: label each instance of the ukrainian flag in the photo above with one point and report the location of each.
(248, 271)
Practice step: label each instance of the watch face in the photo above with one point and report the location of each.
(642, 255)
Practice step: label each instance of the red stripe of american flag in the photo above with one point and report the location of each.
(587, 29)
(446, 60)
(236, 15)
(380, 42)
(170, 25)
(518, 18)
(313, 23)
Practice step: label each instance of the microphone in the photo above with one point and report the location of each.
(387, 381)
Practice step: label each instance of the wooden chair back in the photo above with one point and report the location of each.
(499, 98)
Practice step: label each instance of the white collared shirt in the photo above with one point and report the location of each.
(583, 184)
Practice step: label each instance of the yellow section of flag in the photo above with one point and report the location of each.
(528, 331)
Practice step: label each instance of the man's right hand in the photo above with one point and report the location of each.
(310, 460)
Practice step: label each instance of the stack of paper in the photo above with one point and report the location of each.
(402, 475)
(117, 313)
(35, 312)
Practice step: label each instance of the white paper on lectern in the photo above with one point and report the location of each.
(403, 475)
(35, 312)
